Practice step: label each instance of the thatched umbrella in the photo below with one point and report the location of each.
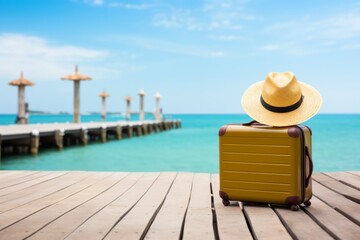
(141, 112)
(128, 100)
(76, 78)
(157, 109)
(103, 96)
(21, 83)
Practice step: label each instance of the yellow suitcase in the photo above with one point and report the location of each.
(260, 163)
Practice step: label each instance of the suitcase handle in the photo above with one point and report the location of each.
(311, 165)
(252, 123)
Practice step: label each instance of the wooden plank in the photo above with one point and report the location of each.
(67, 223)
(332, 221)
(168, 222)
(133, 225)
(10, 175)
(103, 221)
(337, 186)
(39, 178)
(337, 201)
(198, 222)
(39, 219)
(265, 223)
(347, 178)
(301, 225)
(39, 191)
(19, 177)
(9, 217)
(231, 221)
(357, 173)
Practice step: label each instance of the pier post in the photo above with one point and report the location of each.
(150, 128)
(84, 136)
(21, 83)
(158, 116)
(141, 112)
(34, 142)
(76, 101)
(128, 111)
(103, 133)
(103, 109)
(21, 103)
(103, 96)
(59, 135)
(118, 132)
(130, 131)
(145, 129)
(165, 126)
(157, 127)
(77, 77)
(139, 130)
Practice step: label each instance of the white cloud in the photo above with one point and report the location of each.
(161, 45)
(41, 58)
(270, 47)
(212, 15)
(310, 35)
(218, 54)
(94, 2)
(115, 4)
(141, 6)
(227, 37)
(180, 18)
(289, 48)
(98, 2)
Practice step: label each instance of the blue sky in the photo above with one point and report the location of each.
(200, 55)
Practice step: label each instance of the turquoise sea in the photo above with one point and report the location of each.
(194, 147)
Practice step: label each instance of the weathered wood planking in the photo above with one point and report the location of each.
(133, 225)
(44, 191)
(35, 215)
(103, 221)
(337, 186)
(357, 173)
(40, 178)
(230, 220)
(169, 220)
(301, 225)
(334, 222)
(265, 223)
(346, 178)
(66, 224)
(198, 220)
(338, 202)
(106, 205)
(10, 176)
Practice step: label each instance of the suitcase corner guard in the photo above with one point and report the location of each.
(222, 130)
(225, 198)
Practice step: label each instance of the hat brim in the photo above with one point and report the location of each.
(252, 106)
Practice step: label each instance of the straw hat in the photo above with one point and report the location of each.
(281, 100)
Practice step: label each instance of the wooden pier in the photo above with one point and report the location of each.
(167, 205)
(31, 137)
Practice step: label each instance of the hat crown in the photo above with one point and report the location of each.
(281, 89)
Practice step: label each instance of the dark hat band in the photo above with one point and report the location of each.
(281, 109)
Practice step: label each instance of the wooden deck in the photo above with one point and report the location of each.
(98, 205)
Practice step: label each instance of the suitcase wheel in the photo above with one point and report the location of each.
(226, 202)
(307, 204)
(294, 207)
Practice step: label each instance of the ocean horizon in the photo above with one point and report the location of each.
(192, 148)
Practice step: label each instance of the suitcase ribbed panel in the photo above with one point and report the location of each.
(260, 164)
